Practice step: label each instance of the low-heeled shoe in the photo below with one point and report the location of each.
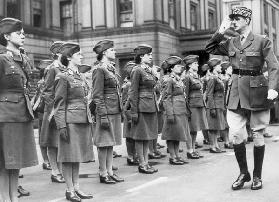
(155, 170)
(192, 155)
(46, 166)
(182, 160)
(257, 183)
(71, 196)
(58, 178)
(145, 170)
(22, 192)
(132, 162)
(116, 178)
(154, 156)
(82, 195)
(106, 180)
(198, 154)
(239, 183)
(174, 161)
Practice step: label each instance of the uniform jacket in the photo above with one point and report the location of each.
(142, 91)
(193, 90)
(15, 105)
(70, 102)
(124, 91)
(249, 91)
(48, 88)
(105, 90)
(215, 93)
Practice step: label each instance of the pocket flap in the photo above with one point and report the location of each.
(9, 98)
(253, 54)
(258, 81)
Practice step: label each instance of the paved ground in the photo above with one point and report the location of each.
(205, 180)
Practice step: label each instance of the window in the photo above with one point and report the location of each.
(126, 15)
(194, 16)
(37, 13)
(273, 18)
(265, 13)
(66, 20)
(211, 19)
(172, 13)
(13, 8)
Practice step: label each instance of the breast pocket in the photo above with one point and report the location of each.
(13, 78)
(258, 92)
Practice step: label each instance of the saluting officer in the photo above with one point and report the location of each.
(250, 92)
(49, 133)
(17, 143)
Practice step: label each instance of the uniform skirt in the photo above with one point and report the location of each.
(217, 123)
(80, 148)
(160, 121)
(108, 137)
(198, 119)
(127, 128)
(48, 133)
(178, 131)
(17, 145)
(146, 128)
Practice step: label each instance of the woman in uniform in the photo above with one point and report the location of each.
(176, 114)
(73, 121)
(215, 104)
(193, 90)
(106, 98)
(17, 143)
(143, 106)
(130, 142)
(49, 133)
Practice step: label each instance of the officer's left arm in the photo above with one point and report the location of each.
(272, 66)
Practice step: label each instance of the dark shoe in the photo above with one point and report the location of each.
(267, 135)
(58, 178)
(145, 170)
(152, 168)
(192, 155)
(228, 146)
(82, 195)
(115, 155)
(175, 161)
(46, 166)
(116, 178)
(22, 192)
(239, 183)
(215, 151)
(198, 154)
(114, 168)
(257, 183)
(106, 180)
(154, 156)
(71, 196)
(132, 162)
(182, 160)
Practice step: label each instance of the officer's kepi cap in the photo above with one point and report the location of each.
(69, 48)
(241, 11)
(189, 59)
(103, 45)
(143, 49)
(55, 47)
(9, 25)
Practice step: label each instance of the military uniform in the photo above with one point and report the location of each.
(143, 103)
(127, 119)
(17, 143)
(71, 111)
(193, 90)
(105, 95)
(176, 126)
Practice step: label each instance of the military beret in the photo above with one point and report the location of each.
(83, 68)
(55, 47)
(103, 45)
(69, 48)
(189, 59)
(44, 63)
(205, 67)
(213, 62)
(9, 25)
(225, 65)
(241, 11)
(143, 49)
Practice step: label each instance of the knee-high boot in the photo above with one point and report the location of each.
(258, 163)
(240, 154)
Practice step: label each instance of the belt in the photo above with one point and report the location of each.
(245, 72)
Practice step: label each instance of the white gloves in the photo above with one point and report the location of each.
(272, 94)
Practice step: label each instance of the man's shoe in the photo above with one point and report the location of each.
(82, 195)
(257, 183)
(46, 166)
(116, 178)
(145, 170)
(174, 161)
(239, 183)
(71, 196)
(106, 180)
(58, 178)
(192, 155)
(22, 192)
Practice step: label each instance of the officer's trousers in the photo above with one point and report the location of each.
(237, 120)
